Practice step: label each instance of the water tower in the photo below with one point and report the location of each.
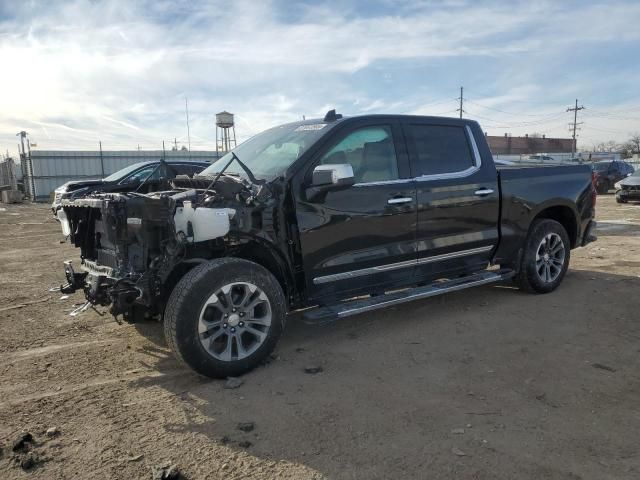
(225, 132)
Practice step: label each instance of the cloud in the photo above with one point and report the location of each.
(118, 71)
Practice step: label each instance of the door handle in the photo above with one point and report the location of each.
(483, 191)
(399, 200)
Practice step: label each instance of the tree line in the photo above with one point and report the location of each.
(627, 149)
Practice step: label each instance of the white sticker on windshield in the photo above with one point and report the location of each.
(313, 126)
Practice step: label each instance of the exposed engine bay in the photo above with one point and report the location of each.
(131, 243)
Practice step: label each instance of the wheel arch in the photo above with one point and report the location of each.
(565, 216)
(255, 251)
(267, 256)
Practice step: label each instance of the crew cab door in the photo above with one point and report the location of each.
(457, 194)
(362, 237)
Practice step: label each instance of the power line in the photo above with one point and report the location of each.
(610, 116)
(437, 102)
(442, 113)
(482, 96)
(575, 124)
(509, 113)
(532, 123)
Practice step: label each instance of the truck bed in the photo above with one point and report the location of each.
(527, 190)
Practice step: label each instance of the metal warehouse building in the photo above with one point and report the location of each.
(45, 170)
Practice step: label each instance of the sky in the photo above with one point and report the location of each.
(78, 72)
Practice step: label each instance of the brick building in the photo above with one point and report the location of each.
(508, 145)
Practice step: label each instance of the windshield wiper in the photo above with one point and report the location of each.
(249, 173)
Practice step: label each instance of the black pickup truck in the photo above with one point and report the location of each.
(346, 215)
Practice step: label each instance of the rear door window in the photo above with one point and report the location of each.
(440, 149)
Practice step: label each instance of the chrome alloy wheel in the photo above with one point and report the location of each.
(550, 257)
(234, 321)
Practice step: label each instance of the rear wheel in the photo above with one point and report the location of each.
(224, 317)
(546, 257)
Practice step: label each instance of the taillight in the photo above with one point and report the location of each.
(594, 192)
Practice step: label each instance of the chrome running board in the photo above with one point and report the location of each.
(360, 305)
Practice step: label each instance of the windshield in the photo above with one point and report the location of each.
(120, 174)
(271, 152)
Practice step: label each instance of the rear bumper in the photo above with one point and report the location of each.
(589, 233)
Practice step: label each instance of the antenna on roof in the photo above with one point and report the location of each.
(332, 116)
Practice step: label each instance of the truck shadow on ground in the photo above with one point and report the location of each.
(504, 367)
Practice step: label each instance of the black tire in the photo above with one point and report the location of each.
(190, 297)
(528, 278)
(620, 200)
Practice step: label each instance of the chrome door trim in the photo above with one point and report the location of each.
(400, 200)
(440, 176)
(384, 182)
(394, 266)
(363, 271)
(474, 146)
(448, 256)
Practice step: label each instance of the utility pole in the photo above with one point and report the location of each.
(101, 159)
(461, 98)
(22, 136)
(574, 125)
(186, 109)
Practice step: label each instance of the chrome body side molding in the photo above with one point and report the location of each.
(395, 266)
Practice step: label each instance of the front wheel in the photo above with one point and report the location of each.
(224, 317)
(546, 257)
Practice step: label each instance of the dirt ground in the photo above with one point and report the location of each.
(488, 383)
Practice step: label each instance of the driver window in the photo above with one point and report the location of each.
(371, 153)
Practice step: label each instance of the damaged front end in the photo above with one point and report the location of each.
(131, 243)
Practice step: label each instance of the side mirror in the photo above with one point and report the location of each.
(330, 177)
(333, 175)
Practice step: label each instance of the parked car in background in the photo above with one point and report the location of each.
(128, 179)
(628, 188)
(541, 158)
(607, 173)
(503, 162)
